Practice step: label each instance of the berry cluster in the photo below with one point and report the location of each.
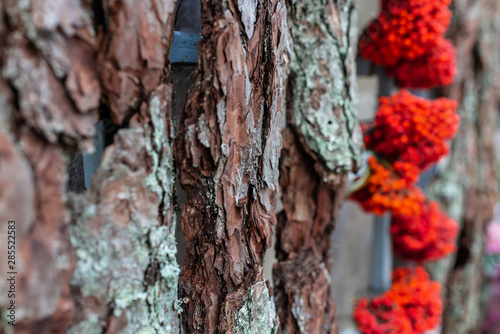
(411, 129)
(385, 190)
(408, 39)
(413, 305)
(428, 236)
(408, 135)
(436, 68)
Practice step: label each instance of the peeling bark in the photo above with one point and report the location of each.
(227, 153)
(103, 261)
(302, 275)
(49, 94)
(123, 233)
(467, 186)
(322, 144)
(133, 57)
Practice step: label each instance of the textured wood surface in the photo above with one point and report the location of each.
(227, 153)
(101, 261)
(321, 145)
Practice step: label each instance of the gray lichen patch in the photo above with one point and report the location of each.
(324, 82)
(257, 314)
(123, 233)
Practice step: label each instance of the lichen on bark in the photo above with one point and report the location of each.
(227, 152)
(123, 226)
(123, 234)
(321, 145)
(322, 90)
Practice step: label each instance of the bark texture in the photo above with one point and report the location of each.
(467, 187)
(103, 261)
(227, 153)
(302, 275)
(322, 143)
(49, 94)
(322, 90)
(123, 233)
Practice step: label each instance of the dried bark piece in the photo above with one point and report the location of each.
(227, 152)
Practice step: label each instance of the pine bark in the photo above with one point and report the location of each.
(49, 95)
(227, 153)
(102, 261)
(320, 146)
(467, 187)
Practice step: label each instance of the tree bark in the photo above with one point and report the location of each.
(103, 261)
(303, 289)
(467, 187)
(123, 234)
(322, 144)
(49, 94)
(227, 153)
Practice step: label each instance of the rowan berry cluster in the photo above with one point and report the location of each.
(413, 305)
(413, 130)
(436, 68)
(385, 190)
(408, 135)
(408, 39)
(428, 236)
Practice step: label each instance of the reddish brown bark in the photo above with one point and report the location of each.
(122, 228)
(227, 153)
(302, 274)
(133, 56)
(49, 95)
(321, 145)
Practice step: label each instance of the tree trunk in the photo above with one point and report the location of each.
(321, 145)
(49, 94)
(467, 187)
(104, 261)
(121, 230)
(227, 153)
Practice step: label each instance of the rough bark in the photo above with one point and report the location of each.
(302, 275)
(103, 261)
(227, 153)
(322, 90)
(467, 186)
(322, 144)
(49, 94)
(123, 233)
